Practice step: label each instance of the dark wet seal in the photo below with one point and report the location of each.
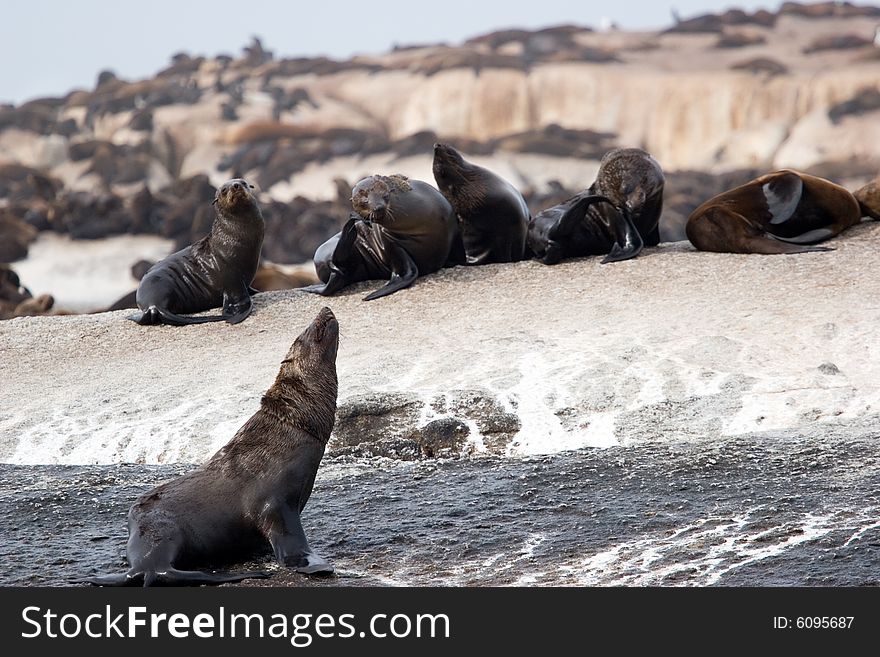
(215, 271)
(617, 215)
(250, 492)
(401, 229)
(492, 213)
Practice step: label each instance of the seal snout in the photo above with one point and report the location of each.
(234, 190)
(324, 324)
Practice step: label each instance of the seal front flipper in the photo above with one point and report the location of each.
(174, 577)
(155, 315)
(628, 242)
(237, 304)
(653, 236)
(290, 545)
(403, 272)
(782, 193)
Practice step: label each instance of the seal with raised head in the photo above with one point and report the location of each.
(400, 229)
(780, 212)
(215, 271)
(251, 493)
(492, 213)
(617, 215)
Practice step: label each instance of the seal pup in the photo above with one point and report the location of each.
(400, 229)
(215, 271)
(780, 212)
(252, 490)
(492, 213)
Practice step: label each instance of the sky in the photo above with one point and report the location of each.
(49, 47)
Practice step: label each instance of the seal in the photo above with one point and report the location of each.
(617, 215)
(868, 198)
(634, 182)
(779, 212)
(217, 270)
(250, 492)
(567, 231)
(400, 229)
(492, 213)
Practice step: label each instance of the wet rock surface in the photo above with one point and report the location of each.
(754, 511)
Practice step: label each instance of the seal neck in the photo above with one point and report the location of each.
(308, 405)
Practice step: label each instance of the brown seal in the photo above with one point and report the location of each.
(401, 229)
(215, 271)
(250, 492)
(779, 212)
(869, 199)
(492, 213)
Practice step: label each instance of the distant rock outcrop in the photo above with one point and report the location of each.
(538, 106)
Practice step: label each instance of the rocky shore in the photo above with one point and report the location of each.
(514, 359)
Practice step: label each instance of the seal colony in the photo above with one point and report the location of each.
(215, 271)
(401, 229)
(250, 493)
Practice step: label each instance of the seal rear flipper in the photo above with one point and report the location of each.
(336, 282)
(404, 272)
(122, 579)
(346, 247)
(154, 315)
(628, 242)
(782, 193)
(810, 237)
(174, 577)
(572, 217)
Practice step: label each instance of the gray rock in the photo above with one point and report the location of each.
(442, 438)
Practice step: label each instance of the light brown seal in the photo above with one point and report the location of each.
(780, 212)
